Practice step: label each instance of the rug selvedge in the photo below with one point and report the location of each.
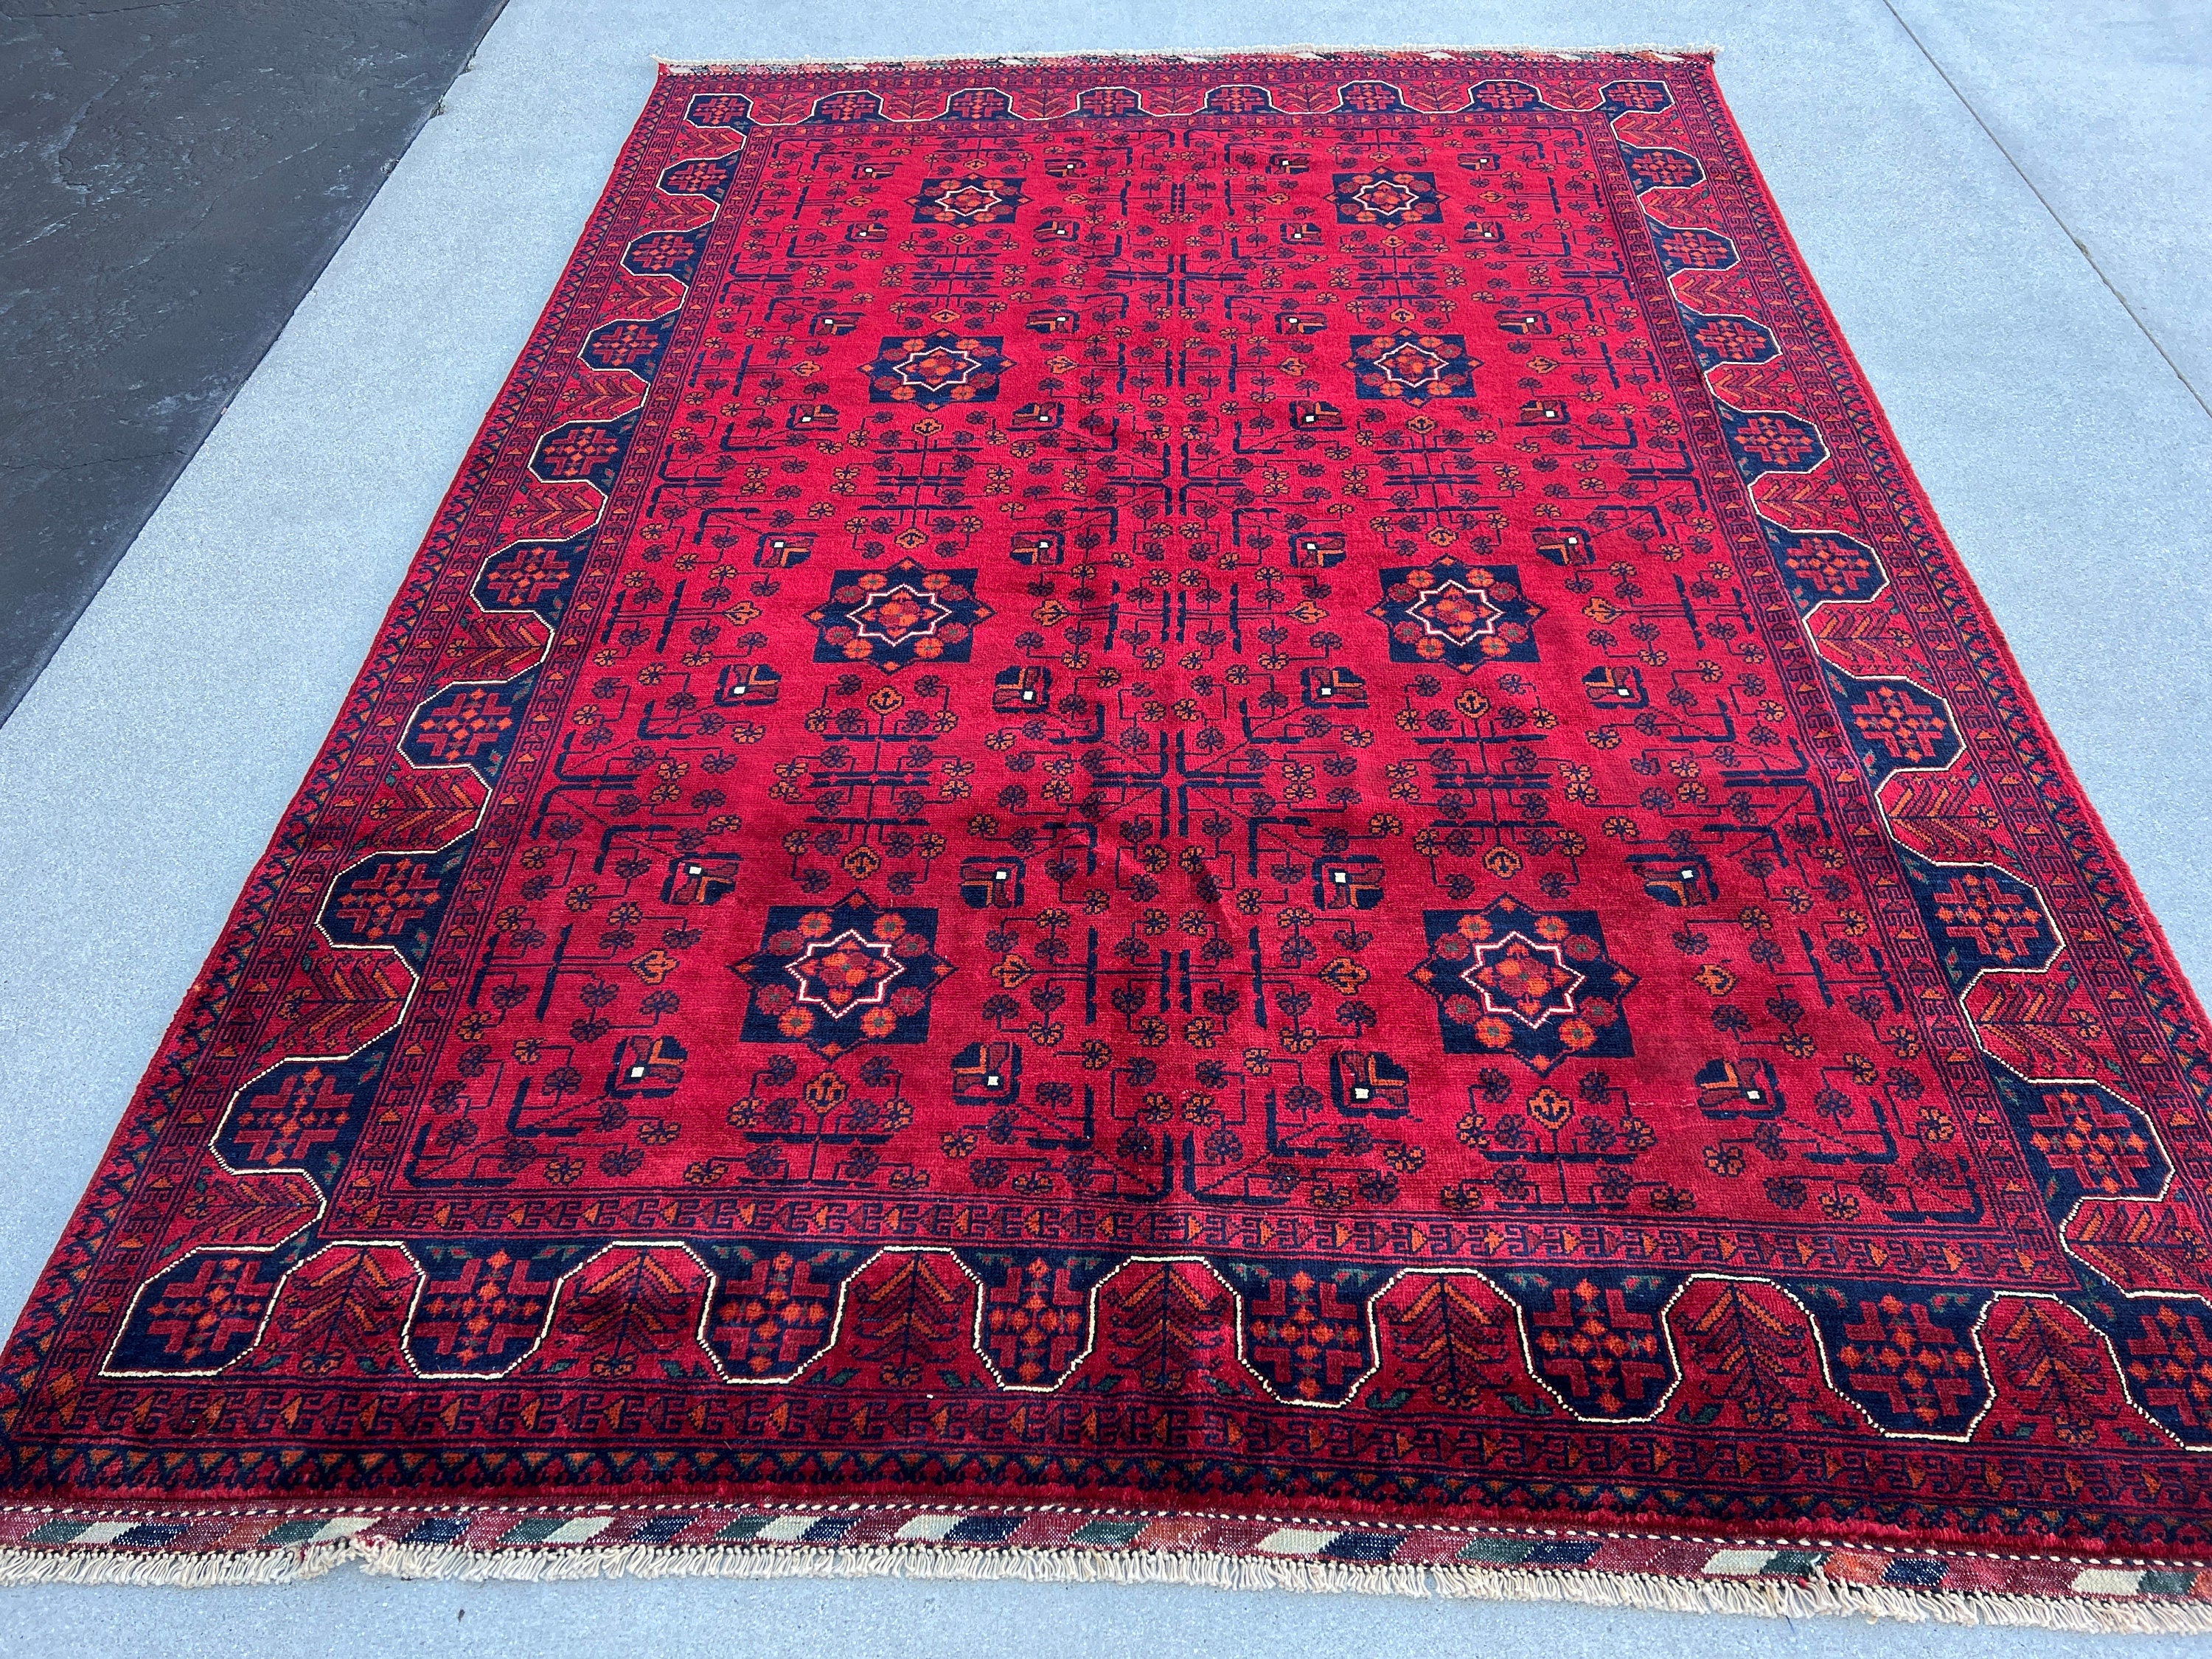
(2044, 1379)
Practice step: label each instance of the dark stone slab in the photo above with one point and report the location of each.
(176, 176)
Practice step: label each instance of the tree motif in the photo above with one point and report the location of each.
(1750, 1357)
(340, 1311)
(1169, 1323)
(2143, 1247)
(908, 1321)
(628, 1306)
(2051, 1368)
(1456, 1341)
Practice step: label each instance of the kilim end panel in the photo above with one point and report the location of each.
(1174, 817)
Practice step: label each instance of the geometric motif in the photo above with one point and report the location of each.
(1408, 367)
(1386, 197)
(2168, 1359)
(2084, 1141)
(535, 576)
(1536, 985)
(200, 1315)
(584, 452)
(1691, 248)
(1893, 724)
(1598, 1339)
(1980, 917)
(1908, 1359)
(1719, 340)
(772, 1313)
(470, 726)
(1305, 1329)
(970, 200)
(394, 899)
(930, 371)
(483, 1304)
(1661, 169)
(1036, 1323)
(1769, 441)
(838, 975)
(1823, 567)
(303, 1115)
(1457, 614)
(896, 617)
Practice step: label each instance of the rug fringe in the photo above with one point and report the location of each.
(1772, 1598)
(168, 1572)
(1656, 54)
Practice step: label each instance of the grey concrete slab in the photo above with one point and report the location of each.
(350, 1616)
(177, 175)
(140, 777)
(2101, 105)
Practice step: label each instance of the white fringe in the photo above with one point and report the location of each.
(1773, 1598)
(1018, 60)
(63, 1565)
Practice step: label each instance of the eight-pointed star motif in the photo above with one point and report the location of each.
(1517, 976)
(1536, 984)
(969, 200)
(848, 972)
(834, 976)
(1457, 615)
(1455, 611)
(907, 613)
(1409, 367)
(932, 370)
(1386, 196)
(898, 613)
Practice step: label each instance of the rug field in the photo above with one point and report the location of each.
(1215, 818)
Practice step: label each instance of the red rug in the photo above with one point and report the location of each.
(1215, 818)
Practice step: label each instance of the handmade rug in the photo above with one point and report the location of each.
(1206, 818)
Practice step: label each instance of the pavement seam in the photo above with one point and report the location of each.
(2044, 202)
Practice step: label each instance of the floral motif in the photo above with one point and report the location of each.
(1185, 1191)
